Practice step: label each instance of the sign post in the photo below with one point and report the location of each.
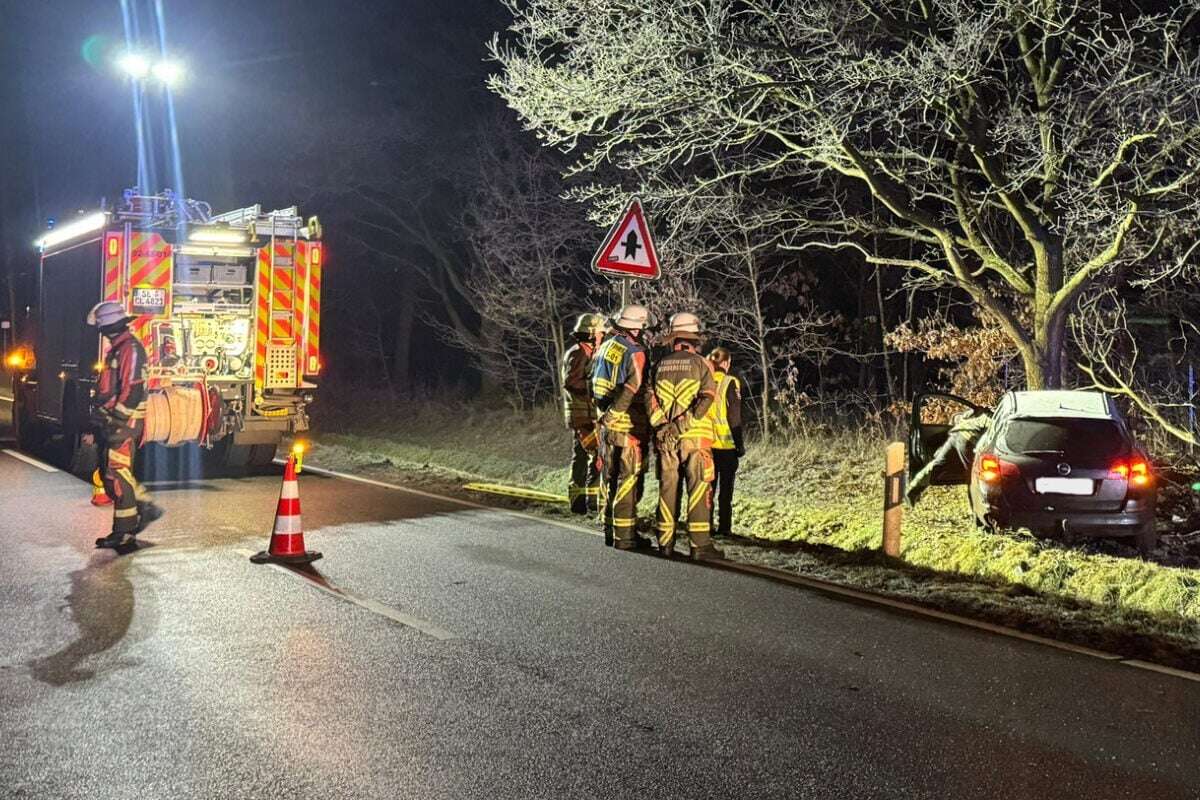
(628, 251)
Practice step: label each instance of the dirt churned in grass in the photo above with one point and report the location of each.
(812, 505)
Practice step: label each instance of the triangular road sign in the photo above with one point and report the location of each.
(628, 250)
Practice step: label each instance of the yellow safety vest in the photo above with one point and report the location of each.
(718, 412)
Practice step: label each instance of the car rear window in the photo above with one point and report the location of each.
(1080, 441)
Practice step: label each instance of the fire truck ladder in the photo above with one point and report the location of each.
(281, 357)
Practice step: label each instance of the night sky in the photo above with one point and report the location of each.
(260, 74)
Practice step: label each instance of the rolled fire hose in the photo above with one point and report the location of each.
(175, 415)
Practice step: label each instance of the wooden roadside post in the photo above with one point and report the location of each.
(893, 499)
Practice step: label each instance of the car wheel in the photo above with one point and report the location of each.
(1147, 538)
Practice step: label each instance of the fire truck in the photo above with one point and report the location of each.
(228, 307)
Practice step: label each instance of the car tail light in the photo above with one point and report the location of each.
(989, 469)
(1137, 472)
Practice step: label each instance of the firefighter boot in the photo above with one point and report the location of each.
(148, 513)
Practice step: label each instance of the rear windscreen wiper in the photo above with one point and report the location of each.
(1041, 452)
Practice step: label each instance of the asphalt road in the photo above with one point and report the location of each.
(490, 655)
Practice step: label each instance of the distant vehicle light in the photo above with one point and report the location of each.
(20, 360)
(98, 367)
(217, 235)
(92, 222)
(134, 65)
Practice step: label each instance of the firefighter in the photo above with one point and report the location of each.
(728, 447)
(579, 412)
(119, 411)
(682, 391)
(618, 388)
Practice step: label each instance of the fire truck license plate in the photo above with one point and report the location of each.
(149, 301)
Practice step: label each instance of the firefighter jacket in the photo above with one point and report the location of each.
(619, 384)
(121, 388)
(578, 409)
(726, 413)
(682, 391)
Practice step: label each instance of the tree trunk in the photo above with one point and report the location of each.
(1044, 360)
(402, 343)
(765, 398)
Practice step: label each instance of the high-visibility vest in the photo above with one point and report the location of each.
(718, 412)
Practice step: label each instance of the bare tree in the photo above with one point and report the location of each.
(1015, 150)
(528, 276)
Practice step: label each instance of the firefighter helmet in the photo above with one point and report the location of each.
(107, 313)
(684, 325)
(632, 317)
(588, 324)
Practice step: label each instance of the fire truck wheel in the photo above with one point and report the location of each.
(26, 430)
(262, 455)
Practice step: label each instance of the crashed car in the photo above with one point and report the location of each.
(1060, 463)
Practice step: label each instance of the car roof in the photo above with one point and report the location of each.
(1063, 403)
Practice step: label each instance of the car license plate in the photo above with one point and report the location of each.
(1081, 486)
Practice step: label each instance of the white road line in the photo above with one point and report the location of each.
(374, 606)
(1178, 673)
(457, 501)
(31, 461)
(810, 583)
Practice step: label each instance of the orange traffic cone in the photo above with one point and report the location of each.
(287, 540)
(99, 496)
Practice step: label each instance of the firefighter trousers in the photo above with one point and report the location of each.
(623, 464)
(117, 452)
(679, 467)
(584, 489)
(725, 463)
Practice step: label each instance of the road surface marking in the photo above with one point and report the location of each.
(457, 501)
(31, 461)
(374, 606)
(1178, 673)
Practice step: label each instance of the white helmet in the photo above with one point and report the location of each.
(685, 325)
(105, 314)
(632, 318)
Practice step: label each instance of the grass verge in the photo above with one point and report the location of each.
(813, 506)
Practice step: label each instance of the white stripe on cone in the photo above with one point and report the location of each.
(288, 525)
(291, 491)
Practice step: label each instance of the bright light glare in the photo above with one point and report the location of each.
(92, 222)
(298, 448)
(170, 73)
(217, 235)
(134, 65)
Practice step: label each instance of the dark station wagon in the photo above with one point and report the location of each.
(1061, 463)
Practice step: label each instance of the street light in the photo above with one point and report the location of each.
(168, 73)
(134, 65)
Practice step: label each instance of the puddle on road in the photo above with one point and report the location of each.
(101, 605)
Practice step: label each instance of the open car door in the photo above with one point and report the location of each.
(932, 415)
